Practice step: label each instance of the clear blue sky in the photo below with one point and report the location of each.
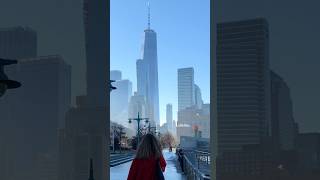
(183, 32)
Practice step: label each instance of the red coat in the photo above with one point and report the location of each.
(145, 169)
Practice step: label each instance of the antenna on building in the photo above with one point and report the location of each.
(148, 14)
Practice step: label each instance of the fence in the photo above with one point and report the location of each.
(195, 164)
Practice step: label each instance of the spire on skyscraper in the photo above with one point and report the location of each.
(148, 14)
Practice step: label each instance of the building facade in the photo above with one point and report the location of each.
(142, 77)
(198, 97)
(186, 89)
(115, 75)
(174, 128)
(193, 122)
(282, 122)
(96, 43)
(15, 43)
(119, 100)
(243, 84)
(147, 75)
(169, 117)
(137, 105)
(18, 42)
(84, 136)
(37, 110)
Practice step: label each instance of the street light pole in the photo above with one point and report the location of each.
(111, 87)
(138, 121)
(151, 127)
(5, 83)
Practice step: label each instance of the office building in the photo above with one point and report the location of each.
(96, 41)
(169, 117)
(85, 134)
(147, 74)
(243, 84)
(174, 128)
(164, 128)
(37, 110)
(18, 43)
(15, 43)
(193, 122)
(83, 137)
(198, 97)
(115, 75)
(186, 89)
(137, 105)
(206, 108)
(142, 77)
(282, 122)
(119, 100)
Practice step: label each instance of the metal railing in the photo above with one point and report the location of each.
(195, 164)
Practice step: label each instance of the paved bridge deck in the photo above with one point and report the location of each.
(172, 171)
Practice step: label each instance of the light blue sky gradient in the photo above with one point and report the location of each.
(183, 32)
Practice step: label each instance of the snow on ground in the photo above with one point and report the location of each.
(121, 172)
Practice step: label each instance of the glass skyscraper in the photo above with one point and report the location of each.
(186, 89)
(243, 84)
(169, 117)
(119, 99)
(147, 74)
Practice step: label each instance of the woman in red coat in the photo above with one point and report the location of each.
(144, 165)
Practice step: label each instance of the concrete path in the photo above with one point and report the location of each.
(172, 171)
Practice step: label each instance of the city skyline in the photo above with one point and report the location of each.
(261, 73)
(173, 46)
(70, 43)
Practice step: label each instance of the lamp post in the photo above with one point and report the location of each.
(151, 128)
(138, 121)
(110, 85)
(5, 83)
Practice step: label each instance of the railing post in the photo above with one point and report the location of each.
(207, 160)
(197, 159)
(192, 171)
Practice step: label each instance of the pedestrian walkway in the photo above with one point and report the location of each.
(172, 171)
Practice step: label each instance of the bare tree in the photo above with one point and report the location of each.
(167, 140)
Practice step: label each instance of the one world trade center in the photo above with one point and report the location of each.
(147, 74)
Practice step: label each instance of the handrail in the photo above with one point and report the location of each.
(190, 169)
(202, 152)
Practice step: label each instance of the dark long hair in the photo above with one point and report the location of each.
(149, 147)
